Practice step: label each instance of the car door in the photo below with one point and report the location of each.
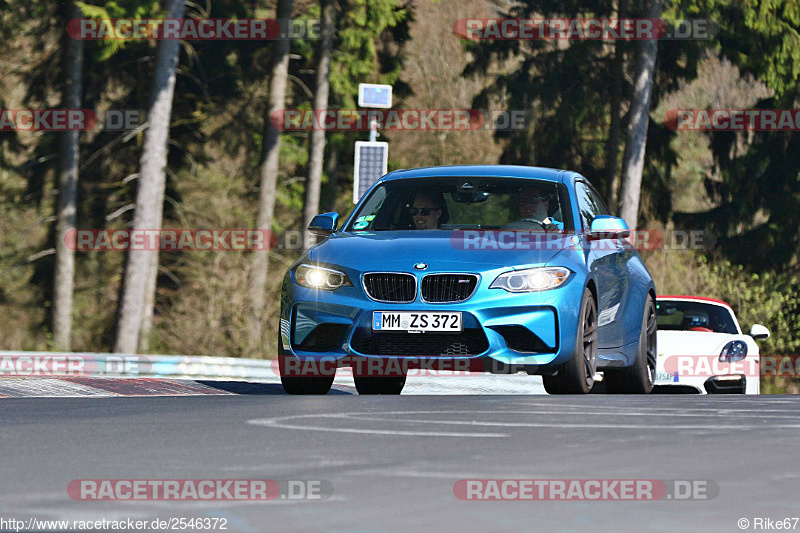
(622, 279)
(605, 258)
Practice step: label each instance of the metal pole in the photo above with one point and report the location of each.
(373, 130)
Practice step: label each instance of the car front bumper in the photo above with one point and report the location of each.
(717, 384)
(534, 332)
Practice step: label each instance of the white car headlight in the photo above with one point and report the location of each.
(326, 279)
(733, 351)
(532, 279)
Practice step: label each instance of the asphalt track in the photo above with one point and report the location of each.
(390, 463)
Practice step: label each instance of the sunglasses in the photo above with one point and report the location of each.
(424, 211)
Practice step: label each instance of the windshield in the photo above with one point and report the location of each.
(453, 203)
(694, 316)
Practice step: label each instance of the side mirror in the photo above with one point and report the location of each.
(608, 227)
(324, 224)
(759, 332)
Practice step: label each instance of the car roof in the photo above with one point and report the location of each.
(695, 298)
(492, 171)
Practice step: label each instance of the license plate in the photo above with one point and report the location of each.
(420, 321)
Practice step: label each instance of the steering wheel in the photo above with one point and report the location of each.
(701, 328)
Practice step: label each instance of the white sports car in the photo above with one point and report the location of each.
(701, 348)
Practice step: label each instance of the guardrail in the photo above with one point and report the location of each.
(22, 364)
(88, 364)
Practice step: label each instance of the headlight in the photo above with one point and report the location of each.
(733, 351)
(326, 279)
(532, 279)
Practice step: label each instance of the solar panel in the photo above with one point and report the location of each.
(370, 164)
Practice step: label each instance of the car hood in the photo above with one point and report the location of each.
(699, 342)
(439, 249)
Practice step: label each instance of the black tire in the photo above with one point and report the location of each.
(307, 385)
(576, 376)
(638, 378)
(552, 385)
(379, 384)
(302, 384)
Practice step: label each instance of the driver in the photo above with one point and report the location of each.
(426, 211)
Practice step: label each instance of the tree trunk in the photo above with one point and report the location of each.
(329, 194)
(270, 151)
(615, 128)
(633, 161)
(64, 281)
(149, 303)
(150, 194)
(317, 150)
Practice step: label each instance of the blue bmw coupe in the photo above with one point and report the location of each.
(502, 268)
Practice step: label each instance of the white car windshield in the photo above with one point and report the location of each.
(683, 315)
